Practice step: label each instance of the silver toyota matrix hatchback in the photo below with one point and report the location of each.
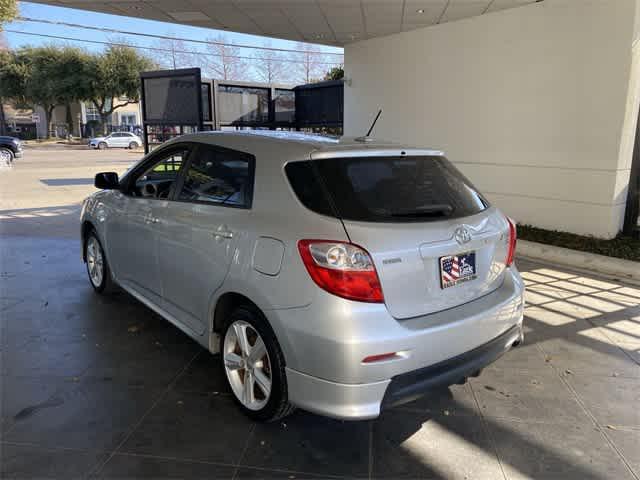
(338, 276)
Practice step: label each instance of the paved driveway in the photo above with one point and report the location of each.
(103, 387)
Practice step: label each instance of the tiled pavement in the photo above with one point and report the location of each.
(95, 387)
(102, 386)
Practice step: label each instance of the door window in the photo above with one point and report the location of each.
(219, 176)
(159, 180)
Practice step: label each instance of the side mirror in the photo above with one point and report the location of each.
(107, 181)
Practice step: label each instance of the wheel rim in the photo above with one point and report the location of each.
(95, 262)
(247, 365)
(5, 157)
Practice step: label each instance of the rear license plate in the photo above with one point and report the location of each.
(455, 269)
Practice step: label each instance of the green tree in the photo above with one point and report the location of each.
(45, 76)
(8, 11)
(115, 74)
(336, 73)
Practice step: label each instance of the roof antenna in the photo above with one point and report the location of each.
(374, 123)
(366, 138)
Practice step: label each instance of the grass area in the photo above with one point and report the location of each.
(622, 246)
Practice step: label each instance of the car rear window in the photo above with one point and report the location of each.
(385, 189)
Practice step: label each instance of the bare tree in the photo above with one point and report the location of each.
(224, 62)
(177, 54)
(310, 65)
(270, 66)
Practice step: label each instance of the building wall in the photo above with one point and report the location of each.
(528, 102)
(129, 109)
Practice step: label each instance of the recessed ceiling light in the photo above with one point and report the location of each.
(420, 10)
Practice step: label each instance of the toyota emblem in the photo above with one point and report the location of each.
(462, 235)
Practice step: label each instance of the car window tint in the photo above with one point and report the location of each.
(219, 176)
(307, 187)
(158, 180)
(390, 189)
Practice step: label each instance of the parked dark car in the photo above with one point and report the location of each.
(10, 148)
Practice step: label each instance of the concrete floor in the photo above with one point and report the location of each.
(101, 387)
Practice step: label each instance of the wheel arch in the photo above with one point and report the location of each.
(227, 303)
(11, 148)
(85, 229)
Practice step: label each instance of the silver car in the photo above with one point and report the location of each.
(338, 276)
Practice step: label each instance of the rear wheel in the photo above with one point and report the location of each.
(254, 366)
(102, 146)
(6, 156)
(97, 266)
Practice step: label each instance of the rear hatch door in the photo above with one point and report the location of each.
(435, 241)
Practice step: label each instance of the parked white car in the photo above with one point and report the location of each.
(116, 140)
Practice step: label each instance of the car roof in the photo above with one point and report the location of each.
(303, 145)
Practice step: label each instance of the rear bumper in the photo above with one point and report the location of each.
(366, 401)
(18, 154)
(411, 385)
(325, 350)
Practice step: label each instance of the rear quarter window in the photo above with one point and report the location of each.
(307, 187)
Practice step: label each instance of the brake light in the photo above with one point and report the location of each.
(343, 269)
(511, 252)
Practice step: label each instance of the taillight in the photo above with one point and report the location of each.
(511, 252)
(342, 269)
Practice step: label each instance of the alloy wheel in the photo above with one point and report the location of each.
(95, 261)
(247, 365)
(5, 158)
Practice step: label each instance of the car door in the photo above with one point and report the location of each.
(132, 232)
(122, 140)
(197, 242)
(111, 140)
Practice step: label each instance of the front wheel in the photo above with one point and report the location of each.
(6, 156)
(254, 366)
(97, 266)
(133, 145)
(102, 146)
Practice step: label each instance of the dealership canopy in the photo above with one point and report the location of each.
(330, 22)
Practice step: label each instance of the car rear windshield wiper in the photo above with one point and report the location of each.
(436, 210)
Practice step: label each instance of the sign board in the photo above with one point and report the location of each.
(172, 97)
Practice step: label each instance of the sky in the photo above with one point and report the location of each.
(83, 17)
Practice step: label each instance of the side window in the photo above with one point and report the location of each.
(219, 176)
(159, 179)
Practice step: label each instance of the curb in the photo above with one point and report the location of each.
(54, 146)
(625, 270)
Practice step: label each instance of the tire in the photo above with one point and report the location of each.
(95, 260)
(102, 146)
(6, 156)
(133, 145)
(270, 366)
